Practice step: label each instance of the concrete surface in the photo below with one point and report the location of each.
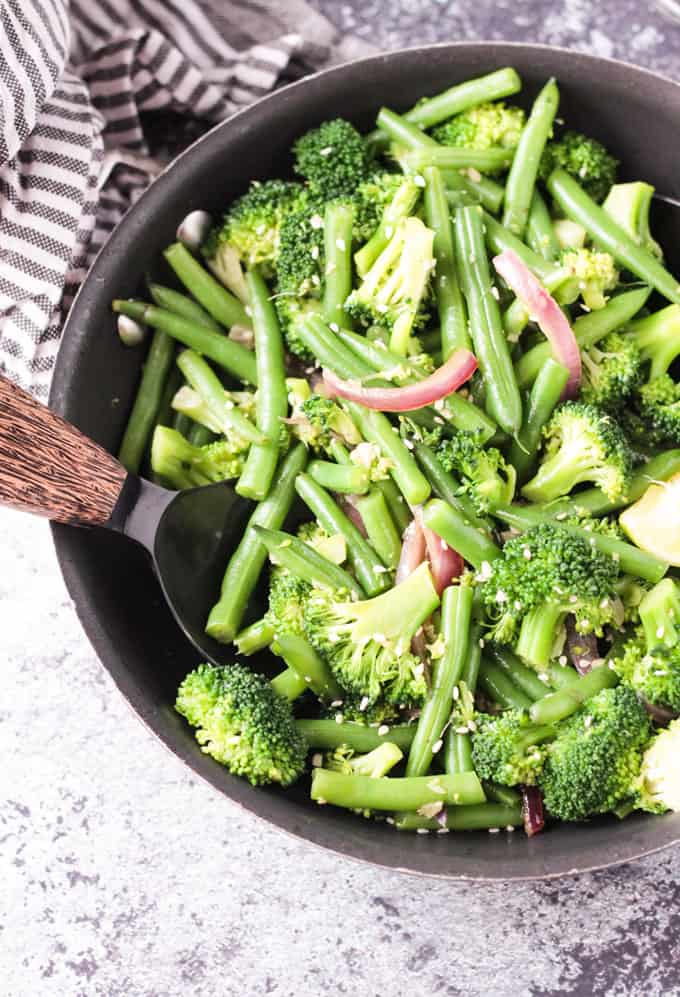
(121, 876)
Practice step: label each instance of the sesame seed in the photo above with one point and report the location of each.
(308, 678)
(321, 802)
(422, 830)
(389, 820)
(316, 221)
(317, 760)
(588, 722)
(388, 231)
(509, 828)
(456, 693)
(334, 327)
(341, 245)
(336, 703)
(382, 730)
(418, 180)
(495, 292)
(363, 705)
(526, 553)
(473, 174)
(660, 631)
(315, 252)
(494, 830)
(562, 660)
(339, 718)
(326, 151)
(442, 830)
(437, 746)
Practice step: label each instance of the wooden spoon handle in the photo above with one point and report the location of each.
(48, 467)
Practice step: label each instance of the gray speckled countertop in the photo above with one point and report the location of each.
(122, 876)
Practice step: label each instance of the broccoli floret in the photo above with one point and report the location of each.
(485, 474)
(582, 443)
(658, 786)
(650, 661)
(482, 127)
(585, 159)
(184, 465)
(332, 158)
(542, 576)
(658, 405)
(393, 292)
(592, 274)
(367, 643)
(373, 197)
(611, 370)
(658, 338)
(628, 204)
(594, 762)
(316, 420)
(243, 724)
(369, 456)
(508, 749)
(354, 709)
(252, 225)
(288, 597)
(375, 764)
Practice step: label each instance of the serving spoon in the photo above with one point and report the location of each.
(49, 468)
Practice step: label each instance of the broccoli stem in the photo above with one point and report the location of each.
(557, 475)
(232, 357)
(500, 688)
(380, 528)
(558, 705)
(538, 633)
(604, 232)
(588, 329)
(506, 795)
(448, 523)
(658, 336)
(172, 456)
(632, 560)
(401, 205)
(540, 232)
(446, 487)
(326, 734)
(524, 678)
(309, 666)
(359, 792)
(456, 613)
(479, 817)
(254, 638)
(147, 401)
(338, 222)
(348, 479)
(248, 559)
(545, 394)
(660, 615)
(200, 435)
(217, 301)
(593, 501)
(208, 386)
(367, 565)
(450, 304)
(182, 304)
(303, 561)
(272, 397)
(288, 684)
(519, 188)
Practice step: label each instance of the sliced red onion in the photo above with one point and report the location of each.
(419, 644)
(445, 562)
(346, 503)
(441, 817)
(459, 368)
(193, 229)
(581, 648)
(661, 715)
(532, 810)
(412, 550)
(239, 334)
(544, 310)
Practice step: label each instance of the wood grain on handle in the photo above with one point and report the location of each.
(48, 467)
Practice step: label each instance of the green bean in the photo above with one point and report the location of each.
(173, 383)
(308, 665)
(593, 501)
(524, 678)
(347, 479)
(604, 231)
(472, 664)
(498, 239)
(338, 222)
(303, 561)
(467, 417)
(254, 638)
(380, 528)
(361, 792)
(452, 317)
(500, 688)
(447, 157)
(330, 351)
(491, 347)
(632, 560)
(516, 317)
(456, 611)
(448, 523)
(209, 388)
(545, 394)
(373, 353)
(560, 676)
(404, 133)
(326, 735)
(460, 186)
(588, 330)
(213, 296)
(558, 705)
(217, 346)
(446, 487)
(182, 304)
(367, 565)
(200, 435)
(480, 817)
(288, 684)
(147, 401)
(272, 397)
(457, 752)
(395, 503)
(401, 205)
(540, 232)
(506, 795)
(376, 428)
(248, 559)
(519, 187)
(182, 423)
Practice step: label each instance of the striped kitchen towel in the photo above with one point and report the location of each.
(89, 92)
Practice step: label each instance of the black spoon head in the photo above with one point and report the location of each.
(190, 535)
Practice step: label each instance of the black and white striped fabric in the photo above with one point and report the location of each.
(89, 91)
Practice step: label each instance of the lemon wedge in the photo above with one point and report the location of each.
(653, 522)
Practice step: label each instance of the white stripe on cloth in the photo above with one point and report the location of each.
(74, 154)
